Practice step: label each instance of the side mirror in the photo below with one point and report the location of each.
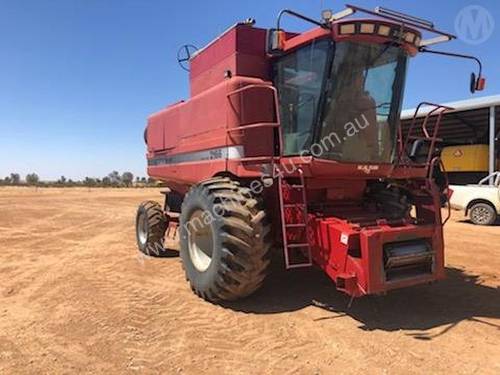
(275, 41)
(476, 84)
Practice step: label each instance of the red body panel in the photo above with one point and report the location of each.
(364, 273)
(241, 50)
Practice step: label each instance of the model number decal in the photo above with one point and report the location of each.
(368, 168)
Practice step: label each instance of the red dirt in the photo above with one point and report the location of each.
(76, 297)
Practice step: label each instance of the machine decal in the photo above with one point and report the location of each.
(232, 152)
(368, 168)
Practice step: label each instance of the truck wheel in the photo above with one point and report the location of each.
(150, 225)
(483, 214)
(224, 240)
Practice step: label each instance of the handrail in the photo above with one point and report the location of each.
(447, 182)
(253, 126)
(404, 145)
(424, 122)
(263, 124)
(251, 86)
(433, 139)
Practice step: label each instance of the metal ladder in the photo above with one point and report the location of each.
(288, 227)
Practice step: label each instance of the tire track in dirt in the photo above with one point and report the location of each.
(83, 301)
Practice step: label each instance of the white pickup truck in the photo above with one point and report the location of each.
(481, 202)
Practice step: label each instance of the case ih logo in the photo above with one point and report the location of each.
(458, 153)
(368, 168)
(474, 24)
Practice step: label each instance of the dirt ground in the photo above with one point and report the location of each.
(76, 297)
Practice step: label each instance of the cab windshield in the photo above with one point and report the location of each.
(344, 108)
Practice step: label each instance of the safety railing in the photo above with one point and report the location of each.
(437, 111)
(261, 125)
(438, 162)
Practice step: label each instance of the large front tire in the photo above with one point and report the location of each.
(224, 240)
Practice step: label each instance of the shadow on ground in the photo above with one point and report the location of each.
(443, 304)
(467, 221)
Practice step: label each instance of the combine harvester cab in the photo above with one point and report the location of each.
(293, 141)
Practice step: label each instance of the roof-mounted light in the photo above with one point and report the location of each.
(384, 30)
(402, 19)
(326, 15)
(348, 28)
(275, 41)
(410, 37)
(397, 33)
(367, 28)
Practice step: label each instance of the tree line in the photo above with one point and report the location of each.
(113, 179)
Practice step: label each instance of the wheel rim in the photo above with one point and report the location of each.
(481, 215)
(142, 229)
(200, 241)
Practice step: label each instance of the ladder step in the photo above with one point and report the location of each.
(173, 215)
(299, 265)
(301, 205)
(294, 205)
(296, 245)
(417, 138)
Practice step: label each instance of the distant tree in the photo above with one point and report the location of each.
(7, 180)
(32, 179)
(137, 179)
(89, 182)
(62, 181)
(127, 178)
(143, 180)
(106, 181)
(15, 178)
(151, 181)
(115, 178)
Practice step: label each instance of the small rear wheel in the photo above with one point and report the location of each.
(151, 224)
(483, 214)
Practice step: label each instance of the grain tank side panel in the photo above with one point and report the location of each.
(200, 126)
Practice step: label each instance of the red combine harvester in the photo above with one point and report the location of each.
(293, 141)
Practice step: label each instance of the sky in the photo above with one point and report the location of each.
(78, 78)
